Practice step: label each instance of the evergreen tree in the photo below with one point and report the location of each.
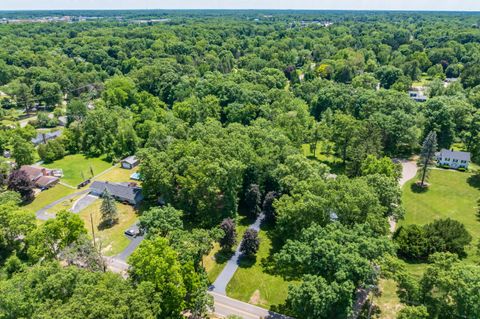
(429, 147)
(108, 209)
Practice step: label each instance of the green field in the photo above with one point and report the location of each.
(252, 281)
(48, 196)
(451, 194)
(74, 165)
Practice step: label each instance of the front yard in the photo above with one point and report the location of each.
(48, 196)
(74, 166)
(112, 240)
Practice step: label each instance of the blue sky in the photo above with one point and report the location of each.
(452, 5)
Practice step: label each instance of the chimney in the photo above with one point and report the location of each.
(44, 172)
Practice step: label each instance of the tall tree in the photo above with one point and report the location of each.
(229, 238)
(429, 147)
(19, 181)
(108, 209)
(253, 200)
(23, 152)
(250, 243)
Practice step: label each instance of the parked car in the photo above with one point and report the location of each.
(132, 232)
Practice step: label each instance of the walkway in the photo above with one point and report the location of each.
(409, 171)
(43, 214)
(220, 285)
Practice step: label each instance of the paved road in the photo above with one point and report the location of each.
(409, 171)
(43, 214)
(226, 306)
(220, 284)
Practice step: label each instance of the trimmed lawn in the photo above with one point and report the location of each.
(118, 175)
(74, 165)
(112, 239)
(451, 194)
(253, 283)
(48, 196)
(216, 260)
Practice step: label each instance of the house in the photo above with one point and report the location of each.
(130, 162)
(123, 192)
(42, 178)
(417, 96)
(43, 138)
(453, 159)
(62, 120)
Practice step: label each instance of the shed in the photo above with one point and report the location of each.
(130, 162)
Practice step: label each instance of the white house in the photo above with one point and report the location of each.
(453, 159)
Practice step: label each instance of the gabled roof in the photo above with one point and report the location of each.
(131, 160)
(44, 181)
(33, 172)
(463, 156)
(124, 191)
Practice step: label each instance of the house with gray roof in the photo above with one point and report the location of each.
(43, 138)
(123, 192)
(130, 162)
(453, 159)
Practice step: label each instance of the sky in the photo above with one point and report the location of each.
(431, 5)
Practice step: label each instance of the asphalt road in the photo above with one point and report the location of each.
(43, 214)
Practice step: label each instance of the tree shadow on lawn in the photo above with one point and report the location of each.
(474, 180)
(222, 256)
(418, 189)
(247, 261)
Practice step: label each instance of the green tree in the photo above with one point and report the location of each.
(427, 155)
(108, 209)
(161, 221)
(253, 200)
(413, 312)
(23, 152)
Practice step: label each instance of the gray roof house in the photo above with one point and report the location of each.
(42, 138)
(453, 159)
(130, 162)
(123, 192)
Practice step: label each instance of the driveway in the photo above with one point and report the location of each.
(220, 284)
(83, 202)
(409, 171)
(43, 214)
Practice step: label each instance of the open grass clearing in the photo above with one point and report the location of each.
(48, 196)
(324, 154)
(253, 283)
(117, 175)
(112, 240)
(74, 166)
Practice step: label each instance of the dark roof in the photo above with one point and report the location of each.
(44, 181)
(48, 136)
(125, 191)
(131, 160)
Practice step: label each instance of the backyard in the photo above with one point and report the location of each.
(74, 166)
(112, 240)
(451, 194)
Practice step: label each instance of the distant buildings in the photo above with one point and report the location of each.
(417, 96)
(43, 138)
(453, 159)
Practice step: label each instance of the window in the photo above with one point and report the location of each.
(455, 160)
(463, 161)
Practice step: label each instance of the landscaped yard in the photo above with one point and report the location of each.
(74, 166)
(112, 240)
(118, 174)
(48, 196)
(216, 260)
(335, 163)
(451, 194)
(254, 284)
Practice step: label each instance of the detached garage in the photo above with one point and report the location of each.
(130, 162)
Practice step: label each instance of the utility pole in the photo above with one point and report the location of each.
(93, 230)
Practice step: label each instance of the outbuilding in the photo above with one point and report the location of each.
(130, 162)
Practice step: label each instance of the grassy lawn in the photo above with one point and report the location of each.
(216, 260)
(388, 301)
(254, 284)
(117, 175)
(74, 165)
(48, 196)
(451, 194)
(335, 163)
(112, 239)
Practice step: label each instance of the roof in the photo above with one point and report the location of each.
(465, 156)
(131, 160)
(33, 172)
(120, 190)
(46, 180)
(48, 136)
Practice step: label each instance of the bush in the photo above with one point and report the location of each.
(52, 151)
(443, 235)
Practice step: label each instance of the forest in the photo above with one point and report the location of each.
(302, 117)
